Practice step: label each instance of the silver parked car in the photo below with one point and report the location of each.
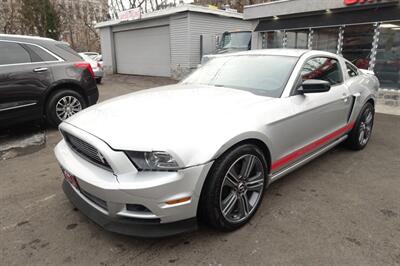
(152, 162)
(96, 66)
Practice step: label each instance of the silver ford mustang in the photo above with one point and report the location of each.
(153, 162)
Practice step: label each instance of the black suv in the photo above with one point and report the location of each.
(42, 78)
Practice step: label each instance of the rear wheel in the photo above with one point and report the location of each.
(361, 133)
(63, 104)
(234, 188)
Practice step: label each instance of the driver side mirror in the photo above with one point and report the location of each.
(314, 86)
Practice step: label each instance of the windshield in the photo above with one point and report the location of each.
(238, 40)
(261, 75)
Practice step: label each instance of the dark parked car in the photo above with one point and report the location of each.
(42, 78)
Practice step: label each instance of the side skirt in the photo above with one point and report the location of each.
(312, 156)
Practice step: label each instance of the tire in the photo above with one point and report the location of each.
(355, 141)
(218, 191)
(62, 98)
(98, 80)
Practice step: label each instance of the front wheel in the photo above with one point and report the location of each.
(63, 104)
(361, 133)
(234, 188)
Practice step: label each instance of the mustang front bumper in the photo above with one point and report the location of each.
(128, 201)
(127, 226)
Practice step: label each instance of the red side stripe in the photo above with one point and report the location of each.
(310, 147)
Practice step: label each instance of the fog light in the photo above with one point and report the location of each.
(136, 208)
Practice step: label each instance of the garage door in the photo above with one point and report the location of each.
(143, 52)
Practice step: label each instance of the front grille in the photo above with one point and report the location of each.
(86, 150)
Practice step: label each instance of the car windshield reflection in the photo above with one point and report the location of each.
(258, 74)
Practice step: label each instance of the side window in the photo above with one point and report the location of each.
(323, 68)
(13, 53)
(351, 70)
(38, 54)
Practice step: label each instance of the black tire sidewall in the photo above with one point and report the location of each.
(51, 115)
(210, 200)
(353, 140)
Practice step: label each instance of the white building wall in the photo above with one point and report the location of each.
(107, 49)
(179, 30)
(185, 30)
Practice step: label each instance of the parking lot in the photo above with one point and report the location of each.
(343, 208)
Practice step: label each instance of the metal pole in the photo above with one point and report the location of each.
(340, 40)
(284, 39)
(201, 47)
(263, 40)
(310, 39)
(375, 45)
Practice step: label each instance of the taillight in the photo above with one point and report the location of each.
(98, 65)
(85, 65)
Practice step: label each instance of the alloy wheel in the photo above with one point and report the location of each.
(242, 188)
(365, 127)
(67, 106)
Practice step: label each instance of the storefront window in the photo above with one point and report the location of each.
(326, 39)
(357, 44)
(297, 39)
(387, 65)
(274, 39)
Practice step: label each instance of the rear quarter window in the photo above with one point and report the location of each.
(38, 54)
(351, 70)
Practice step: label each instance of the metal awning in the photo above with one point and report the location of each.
(331, 19)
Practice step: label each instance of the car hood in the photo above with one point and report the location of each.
(181, 119)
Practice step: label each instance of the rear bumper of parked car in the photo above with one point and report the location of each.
(98, 73)
(128, 201)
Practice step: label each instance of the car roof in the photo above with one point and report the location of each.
(282, 51)
(24, 38)
(54, 46)
(278, 52)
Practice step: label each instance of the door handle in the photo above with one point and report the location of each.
(40, 69)
(345, 98)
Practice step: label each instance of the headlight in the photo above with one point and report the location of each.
(153, 161)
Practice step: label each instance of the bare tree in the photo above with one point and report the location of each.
(40, 17)
(78, 20)
(145, 6)
(10, 18)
